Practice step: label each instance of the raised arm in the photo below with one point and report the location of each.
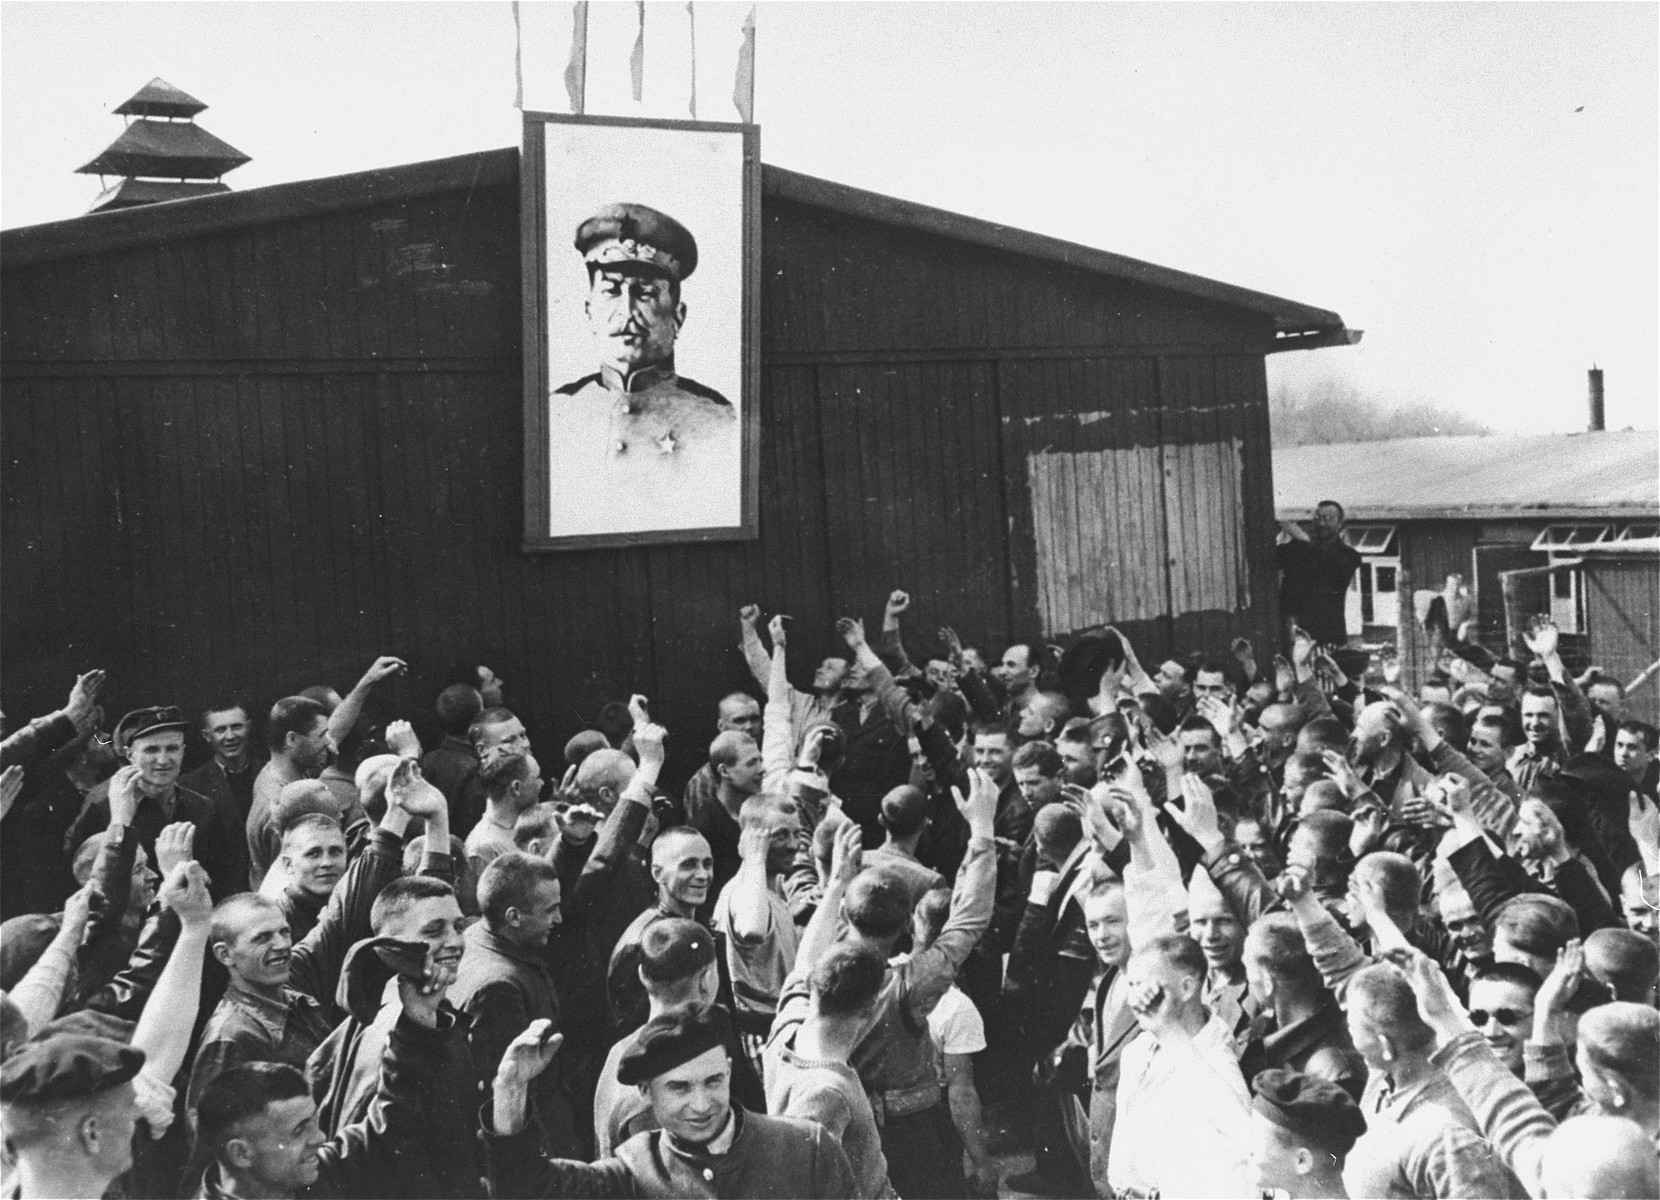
(623, 824)
(749, 641)
(315, 964)
(820, 935)
(777, 730)
(169, 1014)
(932, 971)
(40, 993)
(344, 719)
(1249, 895)
(1336, 955)
(895, 702)
(1573, 710)
(40, 737)
(893, 641)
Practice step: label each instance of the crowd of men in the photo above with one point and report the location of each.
(1224, 929)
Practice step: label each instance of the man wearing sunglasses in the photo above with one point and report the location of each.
(1501, 1007)
(151, 742)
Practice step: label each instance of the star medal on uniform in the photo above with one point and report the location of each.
(666, 444)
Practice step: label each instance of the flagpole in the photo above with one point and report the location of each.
(576, 69)
(743, 87)
(518, 60)
(691, 20)
(637, 60)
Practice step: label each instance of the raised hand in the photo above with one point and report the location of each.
(1392, 669)
(648, 742)
(1166, 750)
(846, 854)
(174, 846)
(412, 793)
(750, 615)
(898, 602)
(1198, 816)
(1285, 676)
(852, 630)
(812, 746)
(1343, 772)
(1132, 664)
(422, 996)
(1436, 1002)
(776, 630)
(11, 786)
(979, 808)
(1542, 637)
(83, 696)
(184, 889)
(1303, 646)
(383, 666)
(1222, 715)
(1124, 807)
(1097, 823)
(1560, 986)
(1293, 884)
(529, 1054)
(639, 708)
(953, 648)
(578, 822)
(753, 844)
(1246, 654)
(124, 796)
(401, 740)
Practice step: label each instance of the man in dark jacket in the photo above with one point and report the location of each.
(1315, 568)
(504, 983)
(705, 1146)
(258, 1133)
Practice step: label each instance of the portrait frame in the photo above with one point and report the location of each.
(547, 253)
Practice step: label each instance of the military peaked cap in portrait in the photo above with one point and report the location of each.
(67, 1066)
(636, 237)
(672, 1039)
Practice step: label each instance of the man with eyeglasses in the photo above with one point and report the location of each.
(151, 740)
(1501, 1007)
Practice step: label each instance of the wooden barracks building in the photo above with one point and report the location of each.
(255, 438)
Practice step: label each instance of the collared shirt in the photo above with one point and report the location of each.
(250, 1026)
(654, 451)
(1183, 1117)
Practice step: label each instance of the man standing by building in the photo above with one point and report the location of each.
(229, 774)
(1315, 568)
(152, 741)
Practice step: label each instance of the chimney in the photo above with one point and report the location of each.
(1598, 424)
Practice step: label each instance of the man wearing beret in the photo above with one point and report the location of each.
(637, 445)
(70, 1111)
(1302, 1130)
(706, 1146)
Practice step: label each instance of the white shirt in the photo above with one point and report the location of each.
(1184, 1117)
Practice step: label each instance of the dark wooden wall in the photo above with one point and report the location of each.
(1622, 609)
(248, 457)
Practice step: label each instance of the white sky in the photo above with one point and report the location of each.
(1419, 168)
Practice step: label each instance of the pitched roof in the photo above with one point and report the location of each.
(158, 98)
(166, 149)
(1297, 326)
(1612, 474)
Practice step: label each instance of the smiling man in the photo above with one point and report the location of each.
(152, 741)
(257, 1126)
(229, 774)
(313, 859)
(705, 1145)
(636, 445)
(683, 867)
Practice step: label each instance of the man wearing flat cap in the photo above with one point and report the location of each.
(1302, 1130)
(70, 1111)
(706, 1146)
(151, 741)
(636, 445)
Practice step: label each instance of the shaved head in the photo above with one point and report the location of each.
(1598, 1156)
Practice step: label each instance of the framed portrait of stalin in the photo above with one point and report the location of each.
(641, 261)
